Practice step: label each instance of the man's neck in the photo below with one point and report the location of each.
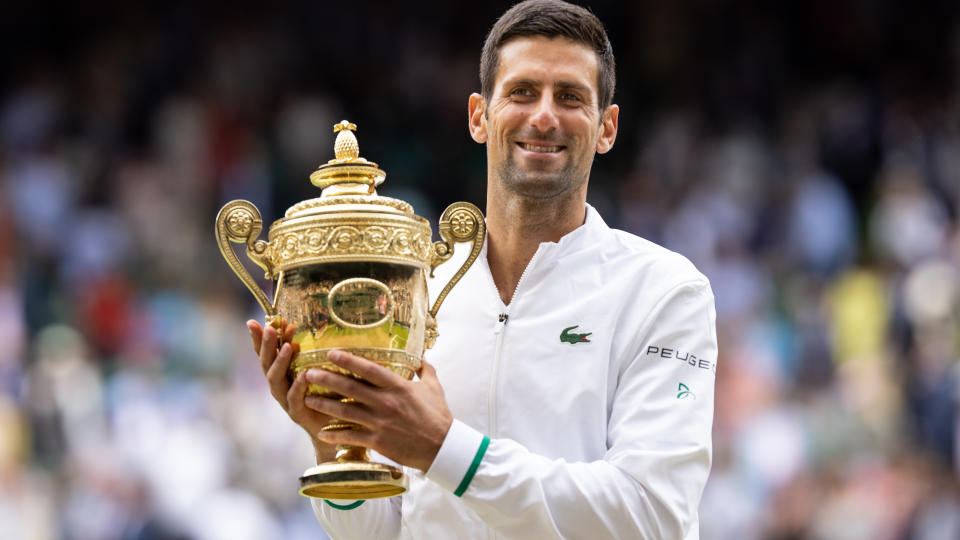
(515, 228)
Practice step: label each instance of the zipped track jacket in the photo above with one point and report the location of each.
(583, 409)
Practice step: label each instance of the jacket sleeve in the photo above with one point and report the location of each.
(649, 482)
(373, 519)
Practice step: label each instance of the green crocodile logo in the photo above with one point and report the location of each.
(567, 337)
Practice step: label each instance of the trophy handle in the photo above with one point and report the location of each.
(239, 221)
(460, 222)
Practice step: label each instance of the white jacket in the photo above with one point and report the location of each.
(601, 430)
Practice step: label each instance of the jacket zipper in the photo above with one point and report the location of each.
(502, 319)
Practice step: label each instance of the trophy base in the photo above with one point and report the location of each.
(352, 480)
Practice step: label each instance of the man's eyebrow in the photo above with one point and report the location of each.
(570, 85)
(521, 82)
(562, 84)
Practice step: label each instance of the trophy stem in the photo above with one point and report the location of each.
(351, 474)
(347, 453)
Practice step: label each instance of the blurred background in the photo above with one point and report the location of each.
(804, 154)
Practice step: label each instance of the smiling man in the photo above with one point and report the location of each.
(542, 412)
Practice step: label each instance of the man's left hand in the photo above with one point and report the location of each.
(403, 420)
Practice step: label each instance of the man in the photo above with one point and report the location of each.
(570, 394)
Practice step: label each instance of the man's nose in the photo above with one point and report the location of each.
(544, 116)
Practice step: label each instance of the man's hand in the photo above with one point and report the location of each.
(403, 420)
(275, 364)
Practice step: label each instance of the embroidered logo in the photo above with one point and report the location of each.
(569, 337)
(683, 392)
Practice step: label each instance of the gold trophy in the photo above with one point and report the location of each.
(349, 270)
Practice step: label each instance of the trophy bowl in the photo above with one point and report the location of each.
(350, 272)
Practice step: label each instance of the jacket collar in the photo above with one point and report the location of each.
(575, 239)
(582, 237)
(548, 254)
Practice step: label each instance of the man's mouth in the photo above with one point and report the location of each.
(540, 148)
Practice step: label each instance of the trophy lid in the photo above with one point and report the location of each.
(349, 221)
(348, 178)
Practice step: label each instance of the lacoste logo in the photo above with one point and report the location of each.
(683, 392)
(567, 337)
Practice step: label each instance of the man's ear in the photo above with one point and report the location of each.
(477, 119)
(608, 129)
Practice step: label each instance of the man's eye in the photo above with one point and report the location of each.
(521, 92)
(569, 97)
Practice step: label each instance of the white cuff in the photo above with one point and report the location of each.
(458, 459)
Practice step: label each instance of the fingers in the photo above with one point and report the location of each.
(256, 334)
(268, 348)
(427, 372)
(288, 331)
(275, 364)
(351, 412)
(369, 371)
(343, 385)
(355, 437)
(294, 399)
(277, 374)
(310, 420)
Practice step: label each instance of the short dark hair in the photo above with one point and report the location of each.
(550, 18)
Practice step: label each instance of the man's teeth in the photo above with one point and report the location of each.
(534, 148)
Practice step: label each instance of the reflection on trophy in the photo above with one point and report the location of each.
(349, 269)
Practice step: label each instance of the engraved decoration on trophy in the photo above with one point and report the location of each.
(349, 271)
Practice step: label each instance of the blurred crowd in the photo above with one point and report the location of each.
(805, 157)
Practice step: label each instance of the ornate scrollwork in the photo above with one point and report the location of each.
(463, 225)
(393, 241)
(402, 243)
(460, 222)
(315, 241)
(430, 333)
(343, 239)
(376, 238)
(239, 221)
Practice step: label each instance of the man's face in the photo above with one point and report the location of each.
(542, 124)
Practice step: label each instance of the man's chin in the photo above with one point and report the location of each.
(539, 186)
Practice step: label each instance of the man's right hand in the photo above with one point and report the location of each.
(275, 363)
